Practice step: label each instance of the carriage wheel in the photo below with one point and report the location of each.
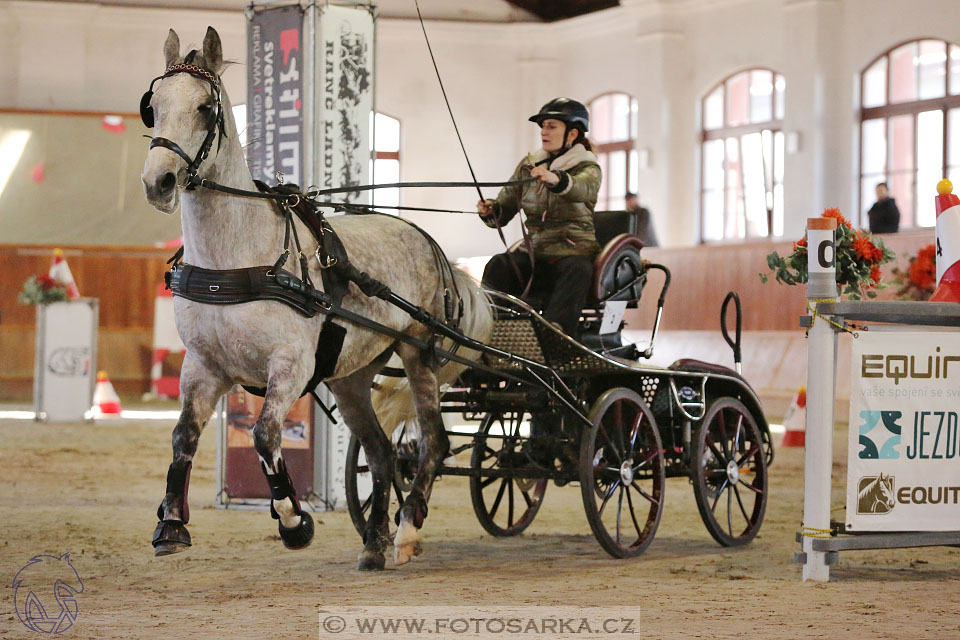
(622, 474)
(358, 482)
(729, 473)
(504, 506)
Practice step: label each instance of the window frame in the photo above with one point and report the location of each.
(628, 146)
(912, 108)
(775, 125)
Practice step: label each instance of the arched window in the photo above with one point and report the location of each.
(741, 180)
(613, 127)
(910, 127)
(385, 160)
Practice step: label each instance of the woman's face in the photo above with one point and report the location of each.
(551, 135)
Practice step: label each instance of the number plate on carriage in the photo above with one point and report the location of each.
(612, 316)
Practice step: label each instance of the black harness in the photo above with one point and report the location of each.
(236, 286)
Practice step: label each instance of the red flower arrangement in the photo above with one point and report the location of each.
(41, 290)
(858, 258)
(919, 279)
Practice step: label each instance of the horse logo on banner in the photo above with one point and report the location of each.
(875, 495)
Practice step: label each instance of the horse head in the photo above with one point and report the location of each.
(185, 108)
(885, 485)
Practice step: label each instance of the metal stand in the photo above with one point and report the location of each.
(821, 543)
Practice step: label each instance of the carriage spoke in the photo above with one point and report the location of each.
(736, 436)
(650, 456)
(363, 469)
(645, 494)
(489, 481)
(724, 439)
(510, 504)
(634, 430)
(366, 503)
(496, 502)
(749, 454)
(633, 516)
(399, 492)
(719, 493)
(713, 447)
(619, 512)
(606, 437)
(618, 424)
(608, 495)
(743, 509)
(756, 490)
(729, 511)
(526, 498)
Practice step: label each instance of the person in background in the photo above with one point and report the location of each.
(883, 215)
(644, 221)
(558, 205)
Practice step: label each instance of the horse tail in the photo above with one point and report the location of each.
(392, 399)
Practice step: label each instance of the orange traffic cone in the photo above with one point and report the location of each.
(105, 398)
(60, 272)
(795, 421)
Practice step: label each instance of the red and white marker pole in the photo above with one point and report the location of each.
(948, 244)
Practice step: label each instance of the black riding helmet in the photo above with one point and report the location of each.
(571, 112)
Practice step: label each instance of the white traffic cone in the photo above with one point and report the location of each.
(105, 398)
(795, 421)
(60, 272)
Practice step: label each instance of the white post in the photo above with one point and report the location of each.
(821, 375)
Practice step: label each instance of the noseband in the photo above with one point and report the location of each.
(215, 120)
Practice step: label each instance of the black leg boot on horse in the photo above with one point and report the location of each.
(199, 395)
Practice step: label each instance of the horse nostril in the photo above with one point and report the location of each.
(168, 182)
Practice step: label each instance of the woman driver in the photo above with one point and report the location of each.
(559, 215)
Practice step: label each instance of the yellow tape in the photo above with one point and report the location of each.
(813, 532)
(815, 315)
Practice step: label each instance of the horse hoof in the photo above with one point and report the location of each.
(298, 537)
(371, 561)
(170, 536)
(402, 555)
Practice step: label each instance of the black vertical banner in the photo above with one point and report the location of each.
(275, 93)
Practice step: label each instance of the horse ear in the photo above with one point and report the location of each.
(171, 48)
(213, 51)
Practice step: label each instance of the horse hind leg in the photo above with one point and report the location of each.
(434, 446)
(353, 398)
(283, 388)
(199, 391)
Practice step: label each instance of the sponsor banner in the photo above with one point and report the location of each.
(903, 470)
(275, 95)
(344, 93)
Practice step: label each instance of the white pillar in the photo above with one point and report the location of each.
(821, 376)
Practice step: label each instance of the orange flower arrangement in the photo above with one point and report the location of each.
(919, 279)
(859, 256)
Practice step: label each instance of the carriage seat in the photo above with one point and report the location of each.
(699, 366)
(617, 264)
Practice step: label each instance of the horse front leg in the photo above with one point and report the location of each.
(434, 446)
(199, 391)
(287, 375)
(353, 399)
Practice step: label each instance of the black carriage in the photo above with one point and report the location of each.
(548, 408)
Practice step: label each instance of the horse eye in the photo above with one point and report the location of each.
(204, 107)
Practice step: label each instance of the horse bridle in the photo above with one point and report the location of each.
(215, 120)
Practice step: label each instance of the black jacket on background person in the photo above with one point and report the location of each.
(884, 216)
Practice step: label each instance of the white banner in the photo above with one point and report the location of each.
(903, 469)
(344, 46)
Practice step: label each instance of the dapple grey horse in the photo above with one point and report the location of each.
(268, 344)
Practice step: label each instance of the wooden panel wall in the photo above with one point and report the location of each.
(125, 281)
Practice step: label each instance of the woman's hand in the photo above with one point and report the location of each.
(485, 208)
(545, 175)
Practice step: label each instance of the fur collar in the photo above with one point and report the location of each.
(574, 156)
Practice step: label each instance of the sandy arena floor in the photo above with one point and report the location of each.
(92, 490)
